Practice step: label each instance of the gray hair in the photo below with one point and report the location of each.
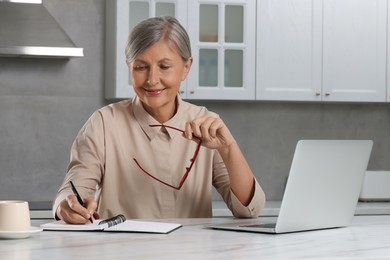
(151, 31)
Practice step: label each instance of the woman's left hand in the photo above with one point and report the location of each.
(215, 135)
(211, 130)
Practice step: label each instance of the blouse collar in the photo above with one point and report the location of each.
(145, 119)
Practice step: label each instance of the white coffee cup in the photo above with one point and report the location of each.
(14, 215)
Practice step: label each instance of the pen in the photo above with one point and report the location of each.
(79, 199)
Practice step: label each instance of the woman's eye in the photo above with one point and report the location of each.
(164, 66)
(139, 67)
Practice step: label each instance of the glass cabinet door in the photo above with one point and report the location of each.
(121, 17)
(223, 46)
(140, 10)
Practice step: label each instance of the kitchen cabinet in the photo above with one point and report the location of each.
(354, 50)
(288, 50)
(388, 52)
(121, 17)
(297, 50)
(313, 50)
(223, 45)
(222, 37)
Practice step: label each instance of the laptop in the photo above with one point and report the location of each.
(322, 189)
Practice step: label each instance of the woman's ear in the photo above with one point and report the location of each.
(187, 68)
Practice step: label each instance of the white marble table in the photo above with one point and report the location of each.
(272, 209)
(367, 237)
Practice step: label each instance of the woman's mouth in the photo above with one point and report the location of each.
(153, 92)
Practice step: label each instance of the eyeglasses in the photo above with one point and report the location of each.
(188, 169)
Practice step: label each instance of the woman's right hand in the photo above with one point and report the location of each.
(72, 212)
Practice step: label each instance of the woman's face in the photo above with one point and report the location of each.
(156, 75)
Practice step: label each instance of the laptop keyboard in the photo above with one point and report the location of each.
(268, 225)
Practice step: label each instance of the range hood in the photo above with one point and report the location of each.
(28, 30)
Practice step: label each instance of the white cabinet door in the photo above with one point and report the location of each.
(288, 50)
(223, 38)
(314, 50)
(121, 17)
(354, 50)
(388, 52)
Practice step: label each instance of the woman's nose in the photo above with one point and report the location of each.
(153, 78)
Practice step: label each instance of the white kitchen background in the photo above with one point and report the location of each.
(303, 69)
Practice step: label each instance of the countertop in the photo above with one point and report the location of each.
(368, 237)
(272, 208)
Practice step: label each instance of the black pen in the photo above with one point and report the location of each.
(79, 199)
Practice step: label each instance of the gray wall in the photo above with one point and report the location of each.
(43, 104)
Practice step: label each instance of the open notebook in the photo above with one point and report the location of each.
(115, 224)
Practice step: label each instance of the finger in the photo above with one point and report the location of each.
(90, 205)
(195, 126)
(205, 128)
(96, 215)
(188, 131)
(195, 129)
(215, 126)
(65, 213)
(77, 208)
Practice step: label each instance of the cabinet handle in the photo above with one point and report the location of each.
(318, 93)
(327, 94)
(192, 91)
(182, 92)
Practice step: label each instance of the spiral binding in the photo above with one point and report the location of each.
(113, 221)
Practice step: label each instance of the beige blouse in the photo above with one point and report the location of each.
(104, 158)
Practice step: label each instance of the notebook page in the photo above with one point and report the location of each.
(144, 226)
(61, 225)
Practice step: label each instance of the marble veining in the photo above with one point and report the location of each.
(368, 237)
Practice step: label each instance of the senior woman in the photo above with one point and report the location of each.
(155, 155)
